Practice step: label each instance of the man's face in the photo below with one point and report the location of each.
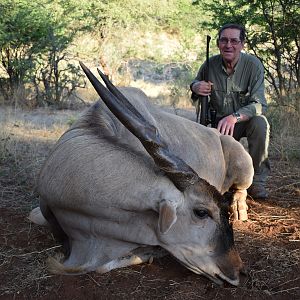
(230, 45)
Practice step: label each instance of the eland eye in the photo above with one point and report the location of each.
(201, 213)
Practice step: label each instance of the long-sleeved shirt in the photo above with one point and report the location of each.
(242, 91)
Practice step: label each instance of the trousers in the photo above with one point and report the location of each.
(257, 132)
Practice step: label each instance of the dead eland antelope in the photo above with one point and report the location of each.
(129, 179)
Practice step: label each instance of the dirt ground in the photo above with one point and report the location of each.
(268, 244)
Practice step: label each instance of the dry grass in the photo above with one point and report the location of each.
(268, 242)
(25, 141)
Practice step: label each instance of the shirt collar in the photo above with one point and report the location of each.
(236, 65)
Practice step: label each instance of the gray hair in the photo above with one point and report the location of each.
(234, 26)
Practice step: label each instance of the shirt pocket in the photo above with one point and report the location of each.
(243, 98)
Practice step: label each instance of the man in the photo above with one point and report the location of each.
(236, 90)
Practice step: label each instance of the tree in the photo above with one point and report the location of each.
(56, 75)
(22, 28)
(34, 37)
(273, 36)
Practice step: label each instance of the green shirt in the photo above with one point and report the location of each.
(242, 91)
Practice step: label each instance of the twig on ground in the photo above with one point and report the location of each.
(281, 284)
(286, 186)
(34, 252)
(91, 278)
(286, 290)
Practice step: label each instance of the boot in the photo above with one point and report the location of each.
(257, 191)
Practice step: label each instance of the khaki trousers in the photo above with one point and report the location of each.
(257, 132)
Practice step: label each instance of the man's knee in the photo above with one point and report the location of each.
(259, 126)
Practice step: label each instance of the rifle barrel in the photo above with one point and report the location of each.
(204, 99)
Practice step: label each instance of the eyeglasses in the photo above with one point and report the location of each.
(233, 42)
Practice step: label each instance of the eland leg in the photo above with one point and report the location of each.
(239, 207)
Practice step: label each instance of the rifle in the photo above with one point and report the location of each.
(204, 118)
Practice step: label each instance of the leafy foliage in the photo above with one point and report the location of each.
(139, 20)
(34, 35)
(20, 33)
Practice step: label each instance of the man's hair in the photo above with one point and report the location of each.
(234, 26)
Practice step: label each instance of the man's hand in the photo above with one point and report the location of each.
(226, 125)
(202, 88)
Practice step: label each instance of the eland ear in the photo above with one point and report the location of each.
(167, 216)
